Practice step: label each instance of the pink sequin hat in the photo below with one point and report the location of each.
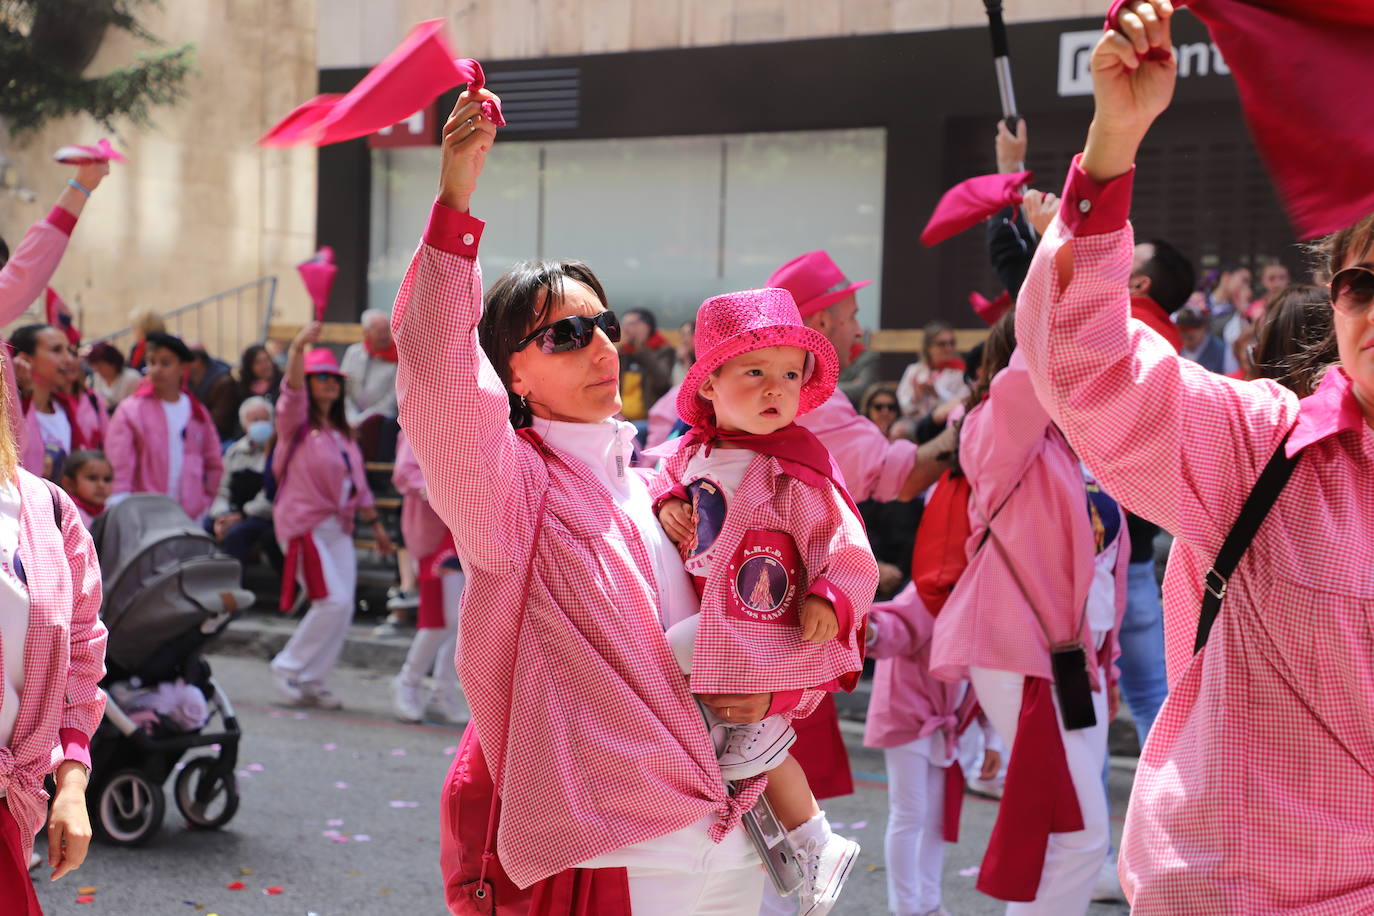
(737, 323)
(320, 361)
(815, 282)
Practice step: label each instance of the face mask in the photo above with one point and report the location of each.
(260, 431)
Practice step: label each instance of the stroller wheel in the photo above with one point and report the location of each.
(128, 808)
(206, 798)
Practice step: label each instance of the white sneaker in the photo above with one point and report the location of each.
(402, 600)
(826, 863)
(317, 695)
(35, 860)
(987, 788)
(449, 702)
(405, 700)
(287, 687)
(1107, 888)
(756, 748)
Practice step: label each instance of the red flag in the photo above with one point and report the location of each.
(970, 202)
(59, 316)
(990, 309)
(419, 70)
(318, 274)
(1300, 67)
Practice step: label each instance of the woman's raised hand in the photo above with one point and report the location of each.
(467, 138)
(309, 334)
(1130, 90)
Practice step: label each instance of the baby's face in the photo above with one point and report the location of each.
(757, 392)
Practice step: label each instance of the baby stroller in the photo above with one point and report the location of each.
(168, 592)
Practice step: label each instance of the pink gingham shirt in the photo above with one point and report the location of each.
(1255, 792)
(64, 653)
(873, 466)
(581, 709)
(738, 655)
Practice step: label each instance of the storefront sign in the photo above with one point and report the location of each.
(1199, 58)
(420, 129)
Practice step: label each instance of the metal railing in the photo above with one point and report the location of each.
(249, 315)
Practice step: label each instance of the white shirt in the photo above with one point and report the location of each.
(605, 448)
(14, 613)
(1107, 521)
(178, 414)
(56, 431)
(711, 481)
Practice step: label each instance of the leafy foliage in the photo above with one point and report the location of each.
(45, 47)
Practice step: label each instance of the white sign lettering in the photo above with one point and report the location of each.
(1076, 48)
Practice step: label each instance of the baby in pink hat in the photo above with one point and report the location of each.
(776, 550)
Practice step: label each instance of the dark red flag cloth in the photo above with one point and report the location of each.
(990, 309)
(420, 69)
(1300, 67)
(1039, 799)
(59, 316)
(970, 202)
(318, 274)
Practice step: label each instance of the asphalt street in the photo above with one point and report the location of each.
(339, 816)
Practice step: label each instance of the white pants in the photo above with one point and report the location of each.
(434, 649)
(730, 892)
(1072, 860)
(313, 650)
(915, 842)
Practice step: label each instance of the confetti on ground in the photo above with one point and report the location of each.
(361, 838)
(329, 834)
(255, 768)
(398, 752)
(837, 825)
(245, 871)
(276, 714)
(331, 746)
(215, 748)
(857, 825)
(301, 715)
(334, 822)
(85, 898)
(969, 872)
(243, 774)
(235, 885)
(341, 785)
(85, 890)
(405, 804)
(385, 890)
(339, 839)
(450, 750)
(873, 867)
(272, 891)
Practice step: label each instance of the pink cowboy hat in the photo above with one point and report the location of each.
(737, 323)
(321, 361)
(814, 281)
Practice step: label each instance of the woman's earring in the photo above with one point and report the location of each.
(524, 404)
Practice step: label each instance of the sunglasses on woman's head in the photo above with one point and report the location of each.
(571, 333)
(1352, 290)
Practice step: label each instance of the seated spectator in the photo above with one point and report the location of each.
(686, 351)
(88, 476)
(43, 363)
(1274, 279)
(110, 377)
(938, 378)
(162, 440)
(370, 395)
(241, 515)
(646, 366)
(664, 423)
(879, 404)
(258, 375)
(211, 381)
(1228, 304)
(1199, 344)
(145, 322)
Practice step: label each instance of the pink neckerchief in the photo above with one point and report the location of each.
(1331, 409)
(797, 449)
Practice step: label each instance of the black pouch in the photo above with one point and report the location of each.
(1069, 661)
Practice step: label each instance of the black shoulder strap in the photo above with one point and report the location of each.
(1261, 499)
(56, 504)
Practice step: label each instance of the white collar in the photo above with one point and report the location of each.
(605, 447)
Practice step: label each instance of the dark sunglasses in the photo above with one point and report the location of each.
(882, 405)
(1352, 290)
(571, 333)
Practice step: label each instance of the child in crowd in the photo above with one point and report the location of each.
(88, 477)
(776, 550)
(439, 580)
(162, 440)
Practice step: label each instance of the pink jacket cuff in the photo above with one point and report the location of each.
(844, 611)
(76, 744)
(784, 701)
(454, 232)
(1089, 207)
(61, 219)
(678, 491)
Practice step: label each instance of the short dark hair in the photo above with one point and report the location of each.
(998, 347)
(25, 339)
(103, 352)
(645, 316)
(79, 459)
(171, 342)
(513, 309)
(1172, 278)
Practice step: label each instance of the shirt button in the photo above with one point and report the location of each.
(1084, 206)
(468, 238)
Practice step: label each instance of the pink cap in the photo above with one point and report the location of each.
(737, 323)
(321, 361)
(815, 282)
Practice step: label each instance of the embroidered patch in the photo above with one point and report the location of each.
(764, 576)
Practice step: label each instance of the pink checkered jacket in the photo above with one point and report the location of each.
(810, 535)
(136, 443)
(64, 653)
(582, 712)
(1255, 792)
(873, 466)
